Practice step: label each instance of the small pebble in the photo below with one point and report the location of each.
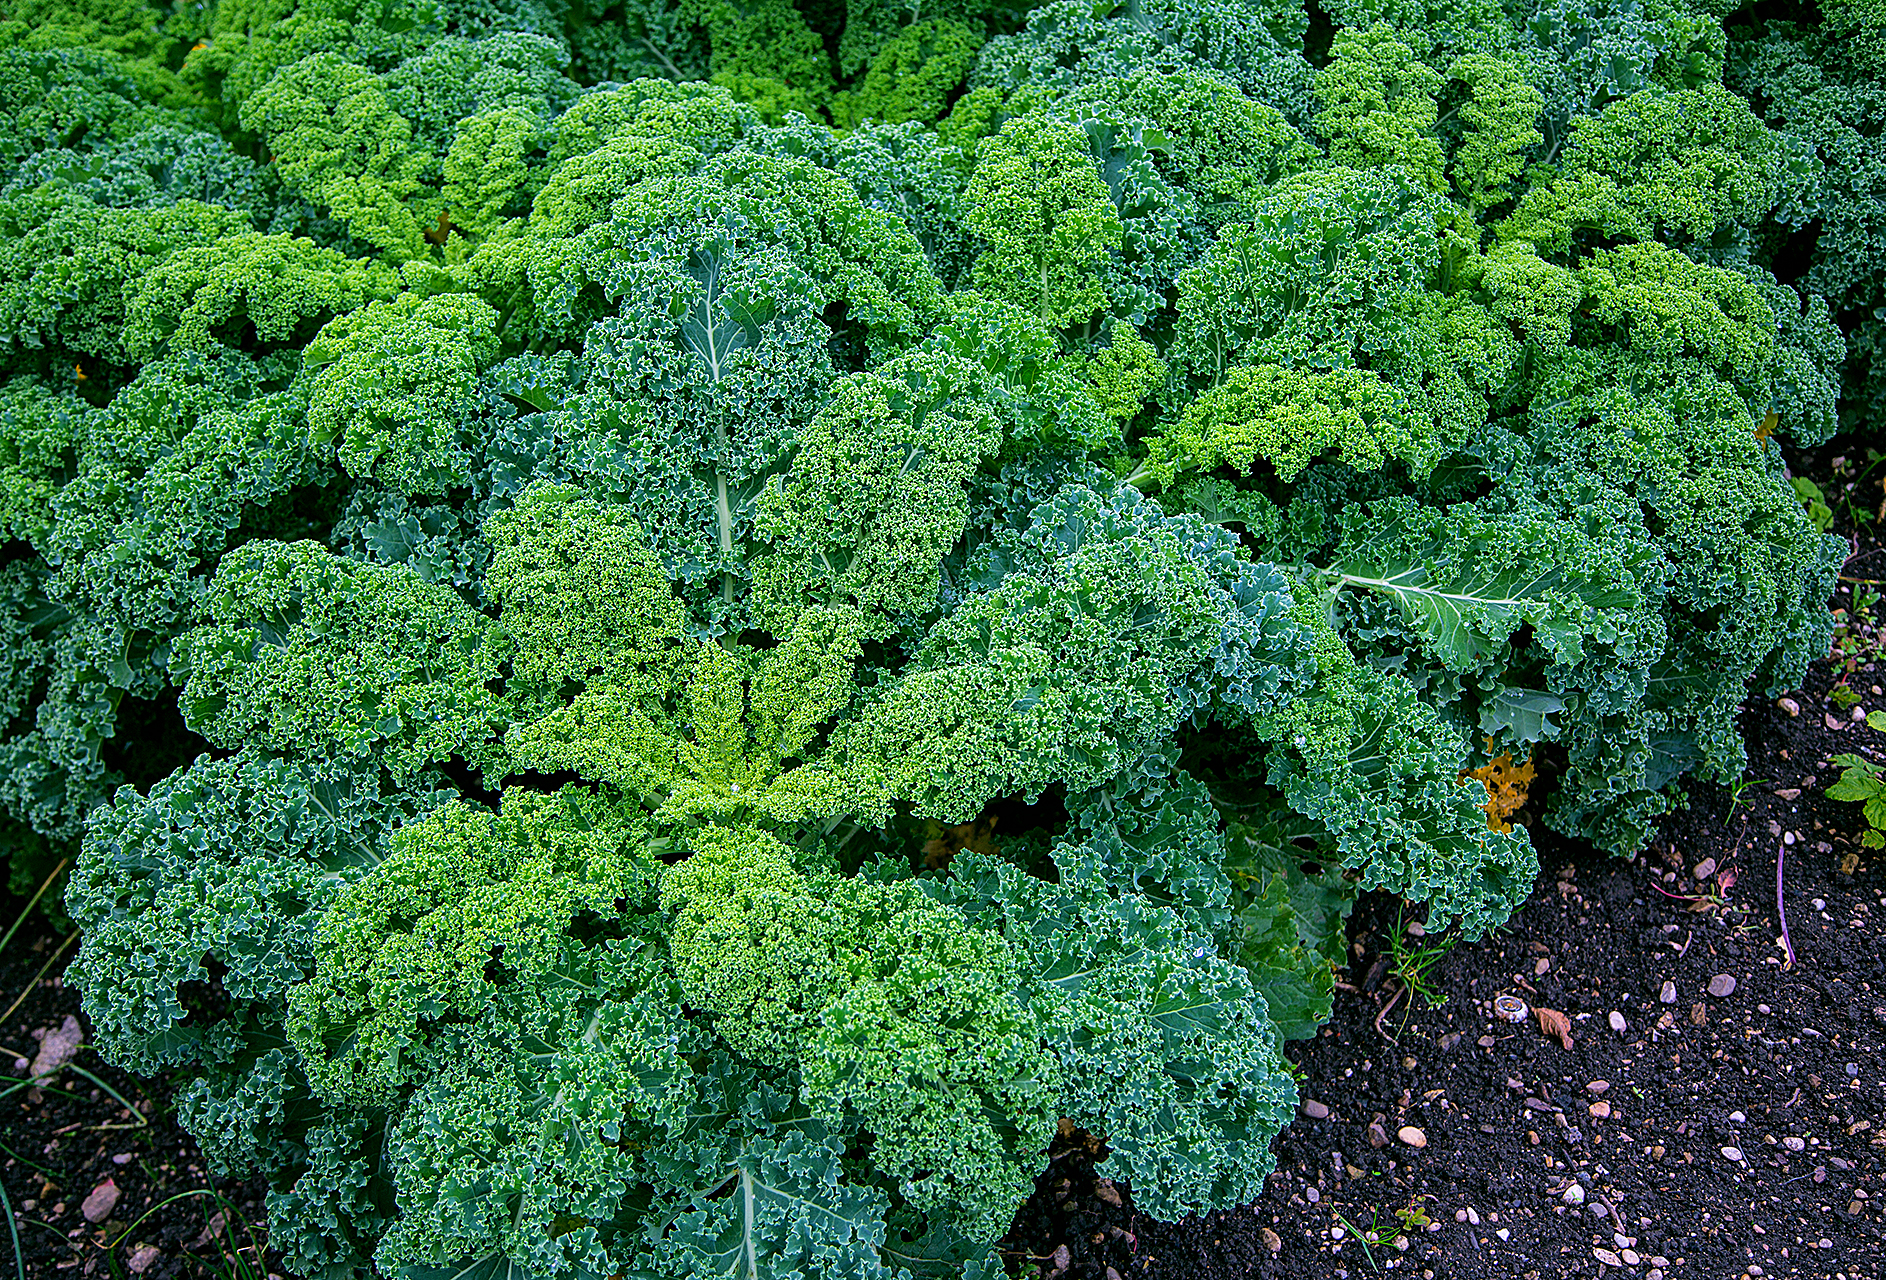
(1598, 1086)
(141, 1259)
(1789, 705)
(1793, 1143)
(1853, 1070)
(1574, 1194)
(1736, 1117)
(1820, 904)
(1788, 838)
(1272, 1241)
(1722, 985)
(123, 1157)
(1600, 1110)
(1412, 1136)
(1704, 869)
(1607, 1257)
(1668, 994)
(1755, 1269)
(1764, 1009)
(1472, 1217)
(1617, 1022)
(1503, 1233)
(1732, 1154)
(99, 1204)
(1315, 1110)
(1312, 1194)
(1630, 1257)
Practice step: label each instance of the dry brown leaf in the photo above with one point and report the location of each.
(1554, 1023)
(1506, 784)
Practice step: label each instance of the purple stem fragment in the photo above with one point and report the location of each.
(1781, 909)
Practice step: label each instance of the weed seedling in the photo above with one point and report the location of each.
(1735, 795)
(1360, 1239)
(1413, 965)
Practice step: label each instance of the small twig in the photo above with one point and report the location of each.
(1781, 908)
(1688, 938)
(1392, 1002)
(42, 973)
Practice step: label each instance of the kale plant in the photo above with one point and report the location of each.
(667, 634)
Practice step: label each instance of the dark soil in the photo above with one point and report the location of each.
(1732, 1135)
(63, 1143)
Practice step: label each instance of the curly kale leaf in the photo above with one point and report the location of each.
(301, 647)
(1113, 625)
(1382, 772)
(1163, 1047)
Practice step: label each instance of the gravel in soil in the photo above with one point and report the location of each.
(100, 1178)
